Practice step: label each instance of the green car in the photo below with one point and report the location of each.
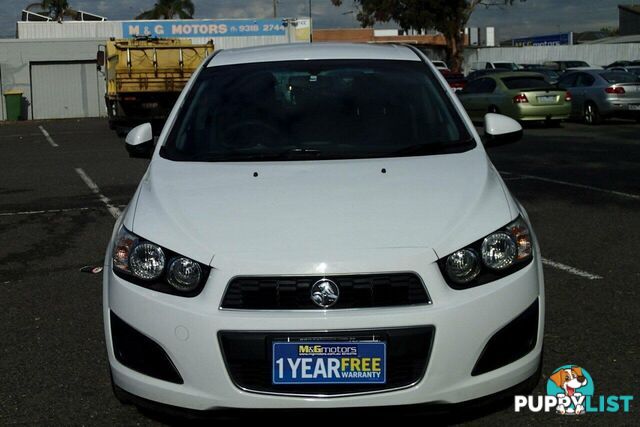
(520, 95)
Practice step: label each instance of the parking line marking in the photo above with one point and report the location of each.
(573, 184)
(48, 137)
(43, 211)
(571, 270)
(114, 211)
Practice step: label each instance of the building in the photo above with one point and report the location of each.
(54, 64)
(629, 20)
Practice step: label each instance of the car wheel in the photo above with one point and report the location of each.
(493, 109)
(591, 114)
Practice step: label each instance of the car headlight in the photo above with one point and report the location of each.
(499, 254)
(152, 266)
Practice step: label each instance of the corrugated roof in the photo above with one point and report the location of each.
(630, 8)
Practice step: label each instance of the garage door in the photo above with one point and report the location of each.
(66, 90)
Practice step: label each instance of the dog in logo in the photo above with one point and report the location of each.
(569, 379)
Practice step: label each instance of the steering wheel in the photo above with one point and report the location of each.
(249, 133)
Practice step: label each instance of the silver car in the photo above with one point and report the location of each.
(600, 94)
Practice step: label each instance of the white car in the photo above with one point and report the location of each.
(320, 226)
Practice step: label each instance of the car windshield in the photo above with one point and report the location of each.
(312, 110)
(526, 82)
(505, 65)
(620, 77)
(576, 64)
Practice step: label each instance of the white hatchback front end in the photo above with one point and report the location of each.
(324, 278)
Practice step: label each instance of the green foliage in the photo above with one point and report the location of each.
(169, 9)
(56, 9)
(450, 17)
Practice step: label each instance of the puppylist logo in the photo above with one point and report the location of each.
(570, 391)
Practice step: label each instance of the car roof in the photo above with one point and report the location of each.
(313, 51)
(514, 74)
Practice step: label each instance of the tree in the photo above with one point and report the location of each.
(169, 9)
(450, 17)
(55, 9)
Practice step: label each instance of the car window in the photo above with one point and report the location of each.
(526, 82)
(504, 66)
(486, 85)
(317, 109)
(584, 80)
(568, 80)
(575, 64)
(473, 86)
(619, 77)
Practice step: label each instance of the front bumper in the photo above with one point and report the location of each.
(187, 330)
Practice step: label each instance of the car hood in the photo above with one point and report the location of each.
(201, 209)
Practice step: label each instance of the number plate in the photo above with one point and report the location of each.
(332, 362)
(634, 107)
(547, 99)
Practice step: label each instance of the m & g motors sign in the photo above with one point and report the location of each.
(204, 28)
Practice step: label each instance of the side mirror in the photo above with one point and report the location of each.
(139, 141)
(500, 130)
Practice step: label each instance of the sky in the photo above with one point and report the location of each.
(531, 17)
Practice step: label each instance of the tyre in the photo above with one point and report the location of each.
(591, 114)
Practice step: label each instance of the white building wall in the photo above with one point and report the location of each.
(16, 56)
(593, 54)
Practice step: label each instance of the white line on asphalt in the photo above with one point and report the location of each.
(48, 137)
(114, 211)
(43, 211)
(572, 184)
(571, 270)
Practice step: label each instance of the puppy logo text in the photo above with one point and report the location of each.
(570, 391)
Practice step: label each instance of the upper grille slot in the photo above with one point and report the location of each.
(294, 293)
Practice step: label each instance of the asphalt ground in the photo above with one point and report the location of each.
(580, 185)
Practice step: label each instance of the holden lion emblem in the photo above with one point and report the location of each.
(325, 293)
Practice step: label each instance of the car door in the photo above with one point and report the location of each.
(468, 96)
(568, 83)
(583, 91)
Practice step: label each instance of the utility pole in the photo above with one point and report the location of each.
(275, 8)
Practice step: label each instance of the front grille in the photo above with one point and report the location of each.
(293, 293)
(248, 356)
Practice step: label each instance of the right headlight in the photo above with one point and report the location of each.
(152, 266)
(497, 255)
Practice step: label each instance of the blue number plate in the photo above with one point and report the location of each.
(333, 362)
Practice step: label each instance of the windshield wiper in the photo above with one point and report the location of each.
(429, 148)
(300, 153)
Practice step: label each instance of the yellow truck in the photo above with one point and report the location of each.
(144, 77)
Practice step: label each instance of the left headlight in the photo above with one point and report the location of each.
(152, 266)
(497, 255)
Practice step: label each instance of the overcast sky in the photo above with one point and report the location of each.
(533, 17)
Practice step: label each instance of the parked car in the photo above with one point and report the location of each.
(479, 73)
(440, 65)
(520, 95)
(623, 64)
(562, 66)
(634, 69)
(600, 94)
(322, 229)
(495, 65)
(456, 81)
(551, 76)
